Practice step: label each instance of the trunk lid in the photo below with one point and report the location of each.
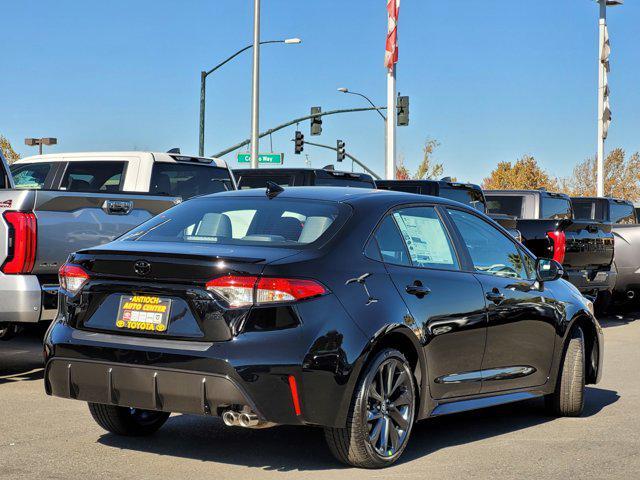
(589, 244)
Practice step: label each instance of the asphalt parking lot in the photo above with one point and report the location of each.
(44, 437)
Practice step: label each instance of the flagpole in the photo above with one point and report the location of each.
(390, 161)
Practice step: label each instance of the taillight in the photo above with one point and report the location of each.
(243, 291)
(72, 278)
(22, 243)
(558, 245)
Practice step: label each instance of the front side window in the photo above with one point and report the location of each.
(93, 177)
(491, 251)
(30, 175)
(188, 180)
(426, 238)
(243, 221)
(555, 208)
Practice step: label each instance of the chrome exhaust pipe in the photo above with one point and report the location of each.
(248, 420)
(631, 294)
(231, 418)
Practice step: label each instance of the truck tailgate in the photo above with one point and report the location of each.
(70, 221)
(588, 244)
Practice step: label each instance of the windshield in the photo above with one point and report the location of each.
(243, 221)
(188, 180)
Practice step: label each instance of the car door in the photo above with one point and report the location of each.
(522, 314)
(446, 304)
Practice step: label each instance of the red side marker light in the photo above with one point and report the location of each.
(294, 395)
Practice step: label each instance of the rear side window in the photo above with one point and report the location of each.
(468, 196)
(426, 238)
(505, 204)
(93, 177)
(390, 243)
(243, 221)
(623, 213)
(30, 175)
(555, 208)
(188, 180)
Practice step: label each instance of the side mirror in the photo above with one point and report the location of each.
(548, 270)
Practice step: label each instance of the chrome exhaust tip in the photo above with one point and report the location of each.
(231, 418)
(631, 294)
(248, 420)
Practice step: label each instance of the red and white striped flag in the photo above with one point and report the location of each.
(391, 53)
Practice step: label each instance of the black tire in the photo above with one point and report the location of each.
(357, 444)
(130, 422)
(568, 398)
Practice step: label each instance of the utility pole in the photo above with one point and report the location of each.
(390, 163)
(255, 97)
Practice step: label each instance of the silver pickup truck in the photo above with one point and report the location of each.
(52, 205)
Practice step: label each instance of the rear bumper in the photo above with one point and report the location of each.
(592, 281)
(20, 299)
(145, 387)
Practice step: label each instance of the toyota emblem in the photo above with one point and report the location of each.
(142, 267)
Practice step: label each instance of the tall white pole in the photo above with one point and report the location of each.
(390, 161)
(601, 88)
(255, 97)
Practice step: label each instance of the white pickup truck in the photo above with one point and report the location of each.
(52, 205)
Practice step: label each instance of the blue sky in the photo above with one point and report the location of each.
(491, 80)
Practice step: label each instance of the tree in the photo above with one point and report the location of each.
(524, 174)
(426, 170)
(7, 150)
(621, 177)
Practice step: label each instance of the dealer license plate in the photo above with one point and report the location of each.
(143, 313)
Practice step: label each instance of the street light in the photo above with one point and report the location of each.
(604, 113)
(346, 90)
(205, 74)
(32, 142)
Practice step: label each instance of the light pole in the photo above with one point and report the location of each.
(346, 90)
(604, 114)
(203, 83)
(32, 142)
(255, 87)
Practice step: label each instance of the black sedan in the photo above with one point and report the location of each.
(360, 311)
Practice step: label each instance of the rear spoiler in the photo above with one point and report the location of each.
(6, 180)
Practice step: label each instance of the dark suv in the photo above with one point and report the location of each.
(299, 177)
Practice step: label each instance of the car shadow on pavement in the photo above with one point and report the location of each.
(21, 359)
(303, 449)
(619, 319)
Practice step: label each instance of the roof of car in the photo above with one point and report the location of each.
(157, 157)
(537, 192)
(340, 194)
(263, 170)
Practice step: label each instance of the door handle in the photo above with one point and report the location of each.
(417, 289)
(495, 296)
(117, 207)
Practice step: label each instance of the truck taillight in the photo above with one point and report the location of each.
(72, 278)
(558, 245)
(243, 291)
(22, 243)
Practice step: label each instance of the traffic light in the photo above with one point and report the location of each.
(316, 122)
(340, 149)
(299, 142)
(606, 107)
(403, 111)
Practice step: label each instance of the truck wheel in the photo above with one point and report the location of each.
(131, 422)
(381, 414)
(568, 398)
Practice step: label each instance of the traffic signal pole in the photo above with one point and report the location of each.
(349, 156)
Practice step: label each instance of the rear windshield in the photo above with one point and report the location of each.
(260, 181)
(243, 221)
(555, 208)
(584, 209)
(30, 175)
(505, 204)
(468, 196)
(188, 180)
(329, 180)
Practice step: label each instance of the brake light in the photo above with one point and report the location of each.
(22, 243)
(243, 291)
(558, 245)
(72, 278)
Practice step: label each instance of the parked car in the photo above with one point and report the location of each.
(289, 177)
(466, 193)
(60, 203)
(626, 231)
(545, 220)
(219, 306)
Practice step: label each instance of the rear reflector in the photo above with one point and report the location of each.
(243, 291)
(293, 386)
(22, 243)
(558, 245)
(72, 278)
